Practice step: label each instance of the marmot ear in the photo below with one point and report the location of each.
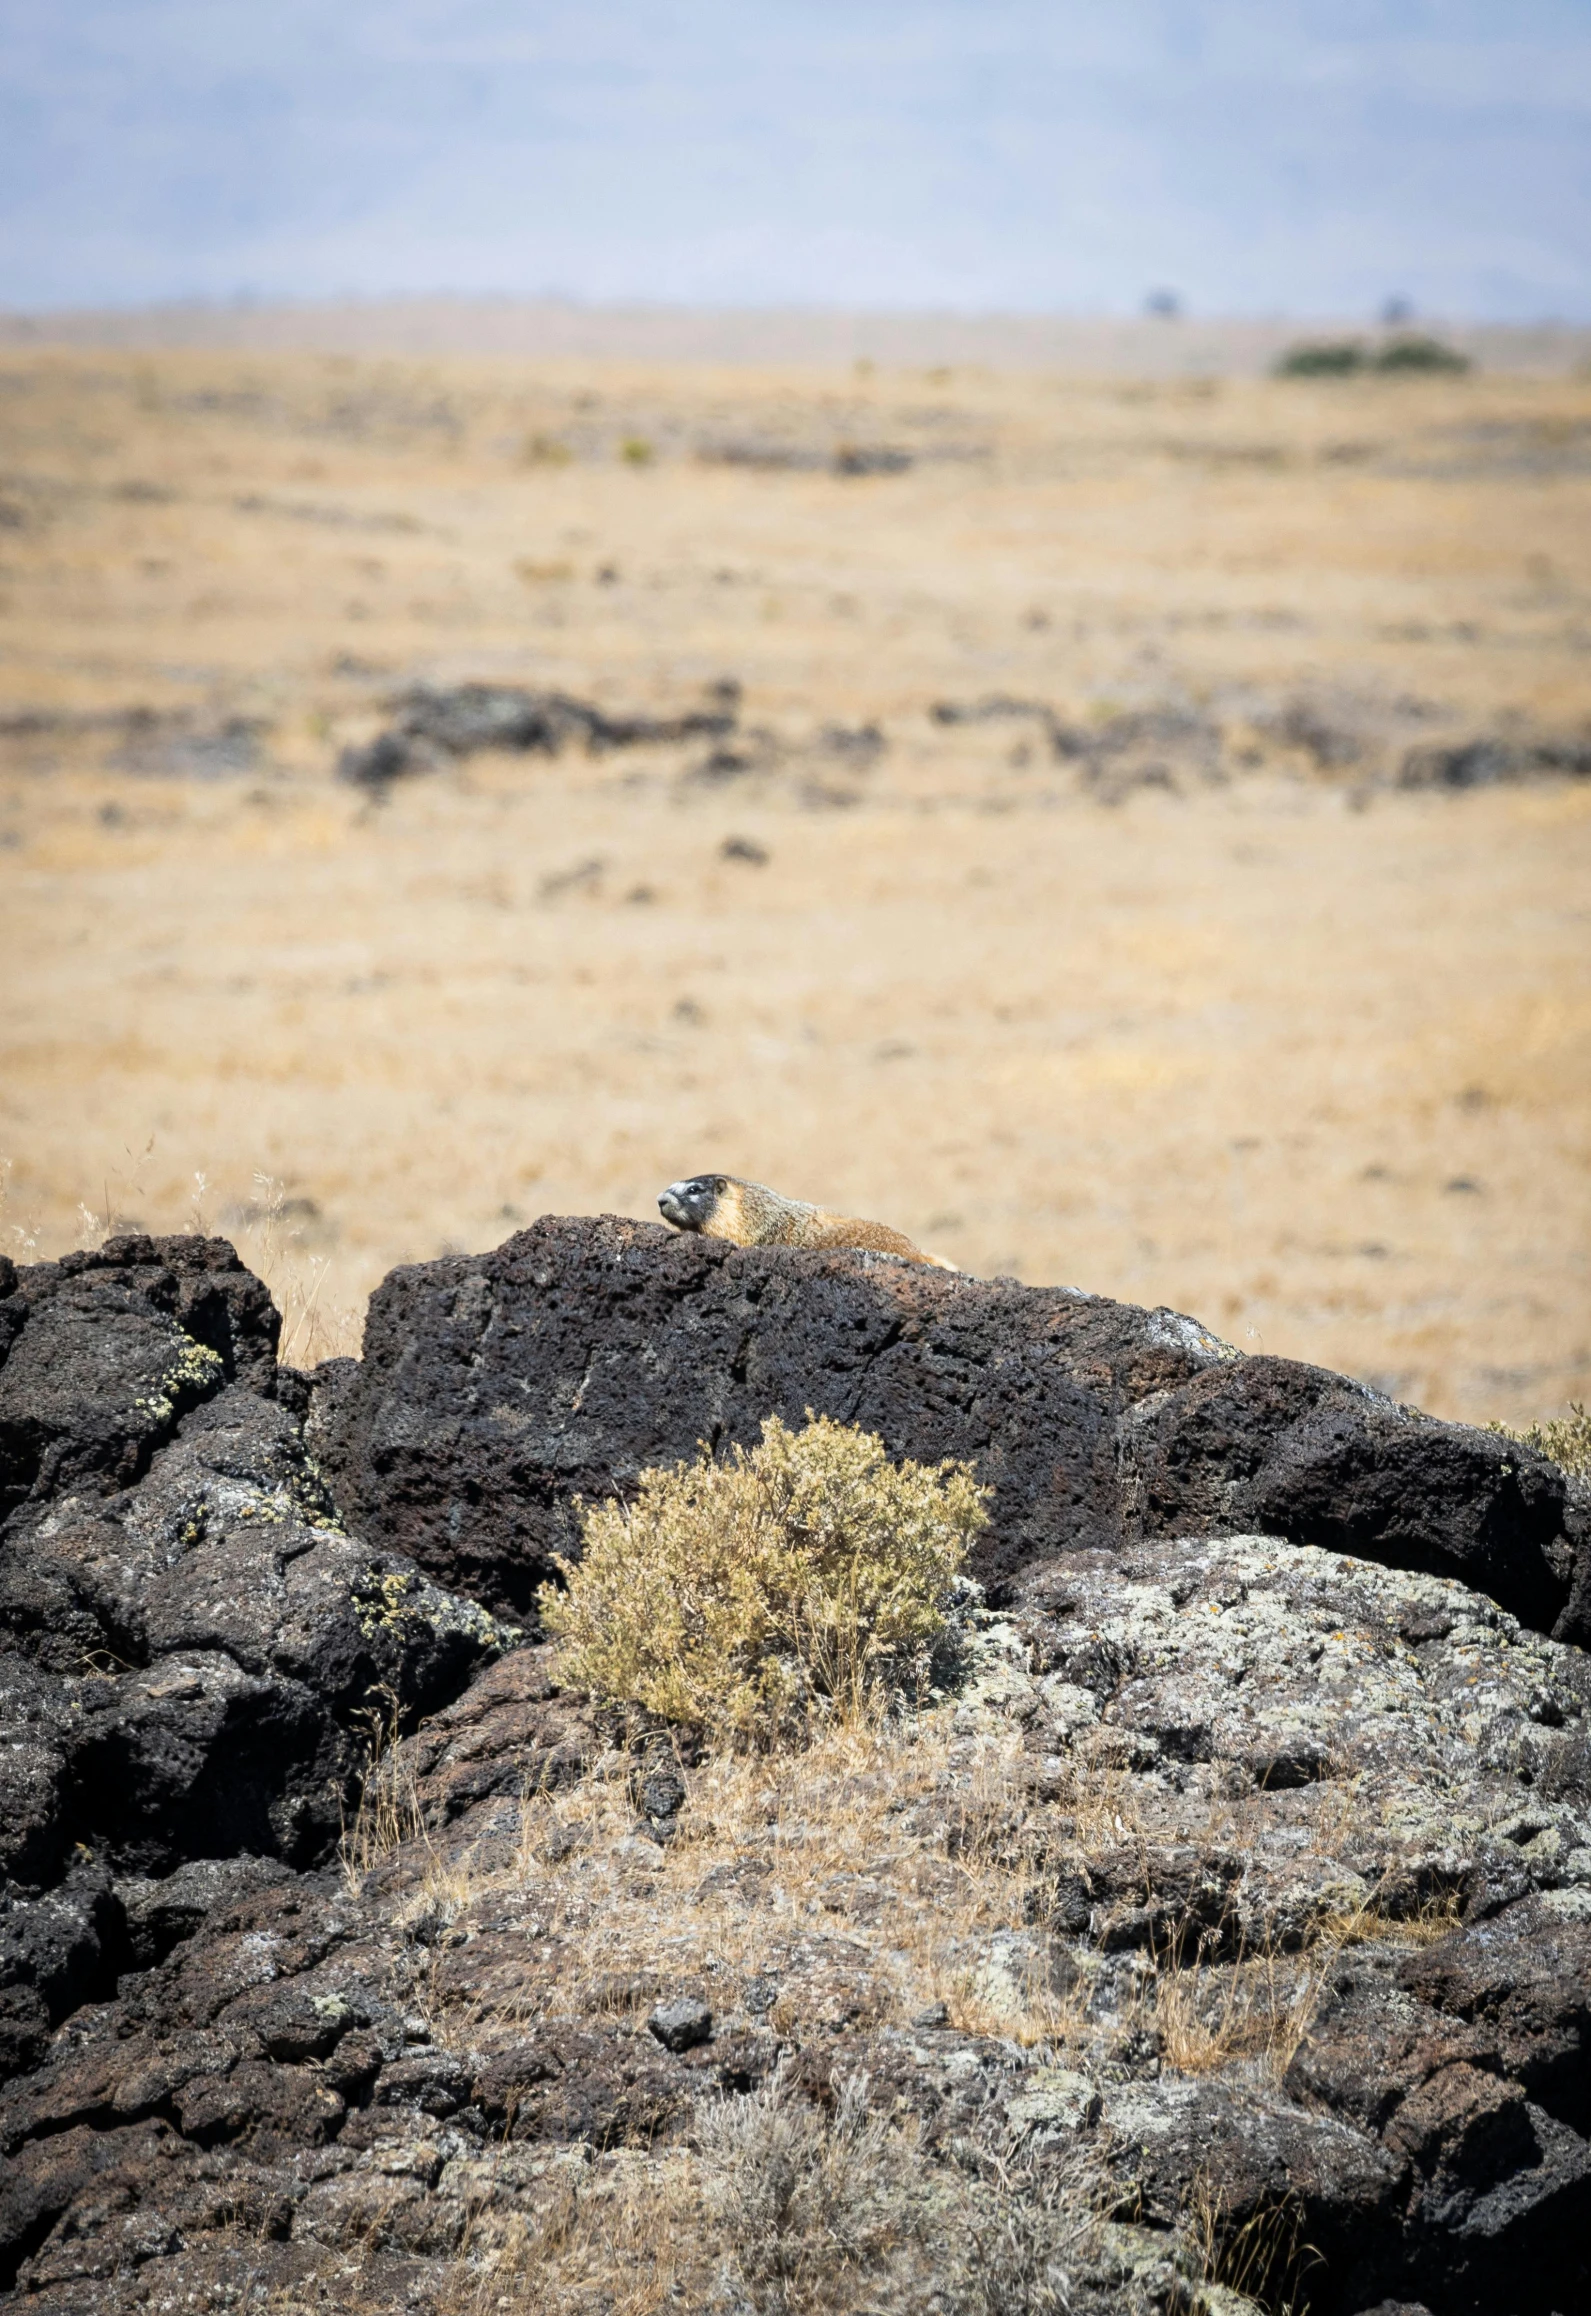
(718, 1185)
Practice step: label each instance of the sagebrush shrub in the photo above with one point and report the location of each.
(1349, 357)
(1325, 358)
(808, 1573)
(1566, 1438)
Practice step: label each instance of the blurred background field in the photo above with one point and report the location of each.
(1152, 850)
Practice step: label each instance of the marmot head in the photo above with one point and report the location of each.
(690, 1205)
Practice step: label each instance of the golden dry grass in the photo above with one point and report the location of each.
(891, 1856)
(1227, 1050)
(894, 1864)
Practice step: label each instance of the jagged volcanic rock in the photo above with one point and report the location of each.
(191, 1645)
(1295, 1788)
(497, 1388)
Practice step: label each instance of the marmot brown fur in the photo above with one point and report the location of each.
(750, 1214)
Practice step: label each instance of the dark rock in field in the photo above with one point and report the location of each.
(1471, 2063)
(433, 726)
(497, 1389)
(859, 745)
(660, 1795)
(1329, 1763)
(860, 458)
(195, 1653)
(994, 707)
(1342, 736)
(681, 2024)
(1144, 748)
(171, 746)
(58, 1949)
(512, 1732)
(158, 1914)
(1157, 747)
(1254, 2153)
(1488, 762)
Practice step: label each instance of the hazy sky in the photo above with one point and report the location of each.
(1281, 156)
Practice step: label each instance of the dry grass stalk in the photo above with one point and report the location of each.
(1262, 2005)
(1265, 2258)
(387, 1814)
(270, 1241)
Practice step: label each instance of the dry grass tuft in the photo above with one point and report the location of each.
(802, 1577)
(781, 2207)
(1265, 2261)
(1262, 2006)
(388, 1813)
(269, 1235)
(807, 2198)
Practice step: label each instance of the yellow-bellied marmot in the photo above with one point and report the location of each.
(749, 1214)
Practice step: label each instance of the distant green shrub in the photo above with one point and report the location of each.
(1351, 358)
(1420, 353)
(635, 450)
(1323, 358)
(805, 1575)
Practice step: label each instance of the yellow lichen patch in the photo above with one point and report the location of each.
(195, 1370)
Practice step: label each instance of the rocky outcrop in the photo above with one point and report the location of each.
(1375, 743)
(1384, 1772)
(1279, 1790)
(1307, 1850)
(191, 1645)
(101, 1354)
(497, 1389)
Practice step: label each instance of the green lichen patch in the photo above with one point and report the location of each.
(192, 1374)
(394, 1603)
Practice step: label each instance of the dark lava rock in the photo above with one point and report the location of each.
(681, 2024)
(191, 1645)
(496, 1389)
(512, 1732)
(435, 725)
(1295, 1630)
(1485, 763)
(192, 1657)
(158, 1914)
(102, 1353)
(1273, 1446)
(400, 2074)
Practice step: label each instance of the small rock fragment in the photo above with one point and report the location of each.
(681, 2024)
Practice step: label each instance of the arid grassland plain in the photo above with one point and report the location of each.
(1146, 845)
